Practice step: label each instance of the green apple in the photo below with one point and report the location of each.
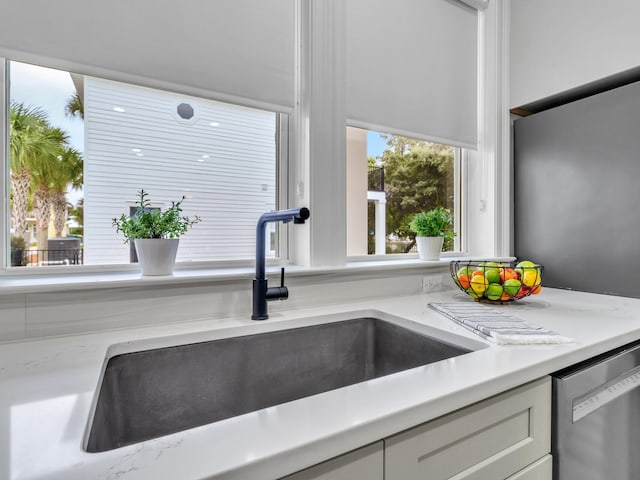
(512, 286)
(492, 275)
(494, 291)
(484, 266)
(468, 271)
(524, 266)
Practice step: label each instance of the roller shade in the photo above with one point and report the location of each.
(479, 4)
(239, 48)
(411, 68)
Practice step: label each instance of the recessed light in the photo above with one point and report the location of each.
(206, 156)
(201, 159)
(139, 154)
(214, 124)
(136, 150)
(118, 109)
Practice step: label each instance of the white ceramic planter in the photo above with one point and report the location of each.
(157, 256)
(429, 248)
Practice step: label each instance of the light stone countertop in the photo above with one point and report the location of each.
(47, 389)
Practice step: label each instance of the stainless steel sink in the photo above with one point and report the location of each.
(155, 392)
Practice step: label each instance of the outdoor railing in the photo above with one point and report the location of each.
(376, 179)
(41, 258)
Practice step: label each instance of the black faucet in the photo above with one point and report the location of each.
(261, 292)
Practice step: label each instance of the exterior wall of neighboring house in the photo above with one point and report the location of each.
(222, 159)
(31, 236)
(357, 230)
(359, 198)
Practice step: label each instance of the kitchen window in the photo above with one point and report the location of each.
(389, 179)
(81, 147)
(425, 105)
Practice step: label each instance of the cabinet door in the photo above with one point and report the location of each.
(364, 463)
(489, 440)
(540, 470)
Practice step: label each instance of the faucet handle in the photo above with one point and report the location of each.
(278, 293)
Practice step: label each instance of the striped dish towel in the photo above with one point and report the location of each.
(497, 326)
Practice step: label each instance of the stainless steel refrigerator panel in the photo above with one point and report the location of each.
(577, 194)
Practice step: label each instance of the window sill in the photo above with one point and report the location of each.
(67, 282)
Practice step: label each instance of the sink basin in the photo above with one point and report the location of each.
(154, 392)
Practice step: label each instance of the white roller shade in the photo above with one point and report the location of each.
(238, 48)
(411, 68)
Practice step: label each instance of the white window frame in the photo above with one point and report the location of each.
(460, 159)
(317, 135)
(282, 171)
(4, 167)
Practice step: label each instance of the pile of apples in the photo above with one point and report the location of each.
(496, 282)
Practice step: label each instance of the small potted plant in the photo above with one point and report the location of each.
(155, 234)
(431, 229)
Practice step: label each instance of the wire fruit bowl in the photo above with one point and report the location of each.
(497, 283)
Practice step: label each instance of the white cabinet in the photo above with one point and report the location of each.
(489, 440)
(540, 470)
(506, 437)
(364, 463)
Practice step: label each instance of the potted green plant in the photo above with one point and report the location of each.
(155, 233)
(431, 229)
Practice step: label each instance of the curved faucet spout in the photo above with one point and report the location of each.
(261, 292)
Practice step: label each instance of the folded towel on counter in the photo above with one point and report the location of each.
(496, 325)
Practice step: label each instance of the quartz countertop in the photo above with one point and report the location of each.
(47, 388)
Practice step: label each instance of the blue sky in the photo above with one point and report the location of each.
(375, 144)
(49, 90)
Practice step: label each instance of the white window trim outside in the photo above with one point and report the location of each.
(380, 202)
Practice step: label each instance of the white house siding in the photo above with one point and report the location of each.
(228, 190)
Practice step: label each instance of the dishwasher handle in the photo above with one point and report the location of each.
(606, 393)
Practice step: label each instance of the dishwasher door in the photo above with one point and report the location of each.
(596, 415)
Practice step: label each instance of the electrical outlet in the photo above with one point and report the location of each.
(431, 283)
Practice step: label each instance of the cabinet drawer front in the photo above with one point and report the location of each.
(364, 463)
(489, 440)
(541, 470)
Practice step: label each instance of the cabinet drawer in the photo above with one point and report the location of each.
(489, 440)
(541, 470)
(364, 463)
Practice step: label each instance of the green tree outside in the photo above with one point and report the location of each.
(418, 177)
(42, 166)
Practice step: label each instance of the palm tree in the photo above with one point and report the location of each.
(68, 173)
(74, 107)
(77, 213)
(74, 169)
(30, 149)
(42, 163)
(49, 176)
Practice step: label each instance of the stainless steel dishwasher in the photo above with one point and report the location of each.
(596, 415)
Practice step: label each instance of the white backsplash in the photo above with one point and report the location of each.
(12, 317)
(37, 315)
